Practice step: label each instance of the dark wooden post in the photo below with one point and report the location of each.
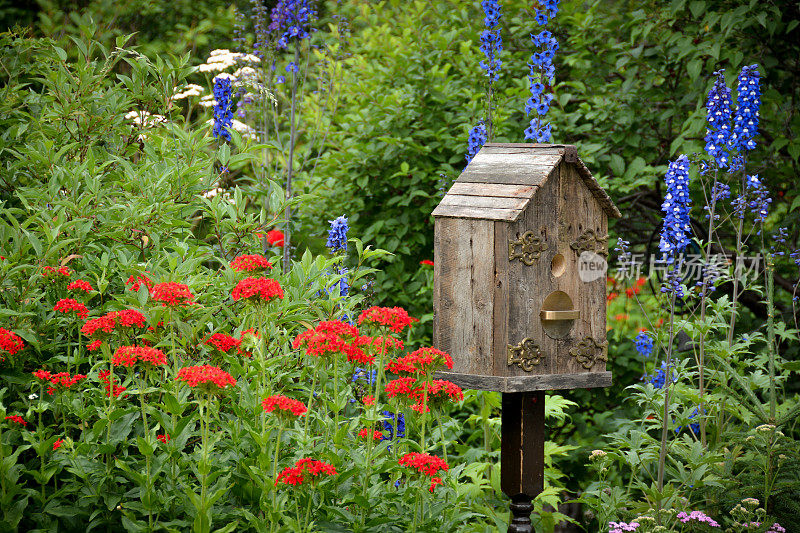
(522, 455)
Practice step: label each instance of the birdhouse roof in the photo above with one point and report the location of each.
(502, 178)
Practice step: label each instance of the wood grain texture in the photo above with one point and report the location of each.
(482, 213)
(584, 380)
(493, 202)
(522, 444)
(492, 189)
(463, 288)
(500, 312)
(531, 176)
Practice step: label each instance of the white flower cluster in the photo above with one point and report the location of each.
(189, 90)
(217, 190)
(144, 118)
(597, 454)
(221, 59)
(208, 101)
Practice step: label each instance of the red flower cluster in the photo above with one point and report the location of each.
(401, 386)
(305, 470)
(68, 304)
(250, 263)
(10, 342)
(394, 317)
(223, 342)
(94, 345)
(107, 322)
(284, 405)
(369, 400)
(637, 287)
(18, 419)
(172, 294)
(62, 379)
(426, 262)
(137, 281)
(331, 338)
(381, 343)
(56, 274)
(376, 435)
(425, 464)
(80, 285)
(57, 444)
(207, 377)
(112, 389)
(275, 237)
(165, 438)
(439, 393)
(263, 288)
(420, 361)
(130, 355)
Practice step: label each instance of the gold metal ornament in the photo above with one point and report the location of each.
(527, 354)
(530, 247)
(586, 352)
(590, 241)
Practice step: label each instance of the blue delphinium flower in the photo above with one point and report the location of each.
(344, 286)
(659, 377)
(476, 140)
(223, 112)
(491, 42)
(718, 109)
(389, 427)
(644, 344)
(748, 102)
(292, 19)
(337, 235)
(676, 231)
(541, 70)
(779, 238)
(694, 428)
(363, 374)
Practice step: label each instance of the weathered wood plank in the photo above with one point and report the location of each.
(533, 176)
(501, 295)
(585, 380)
(483, 213)
(464, 288)
(492, 189)
(495, 202)
(510, 163)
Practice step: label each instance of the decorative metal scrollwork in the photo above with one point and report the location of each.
(527, 354)
(590, 241)
(530, 247)
(586, 352)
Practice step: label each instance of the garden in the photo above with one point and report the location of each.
(217, 263)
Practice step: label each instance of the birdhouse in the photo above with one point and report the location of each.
(520, 249)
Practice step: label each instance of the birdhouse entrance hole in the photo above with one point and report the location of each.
(558, 315)
(558, 266)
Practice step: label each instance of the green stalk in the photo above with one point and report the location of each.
(662, 454)
(769, 272)
(310, 401)
(147, 456)
(424, 411)
(290, 163)
(204, 436)
(416, 505)
(308, 511)
(275, 463)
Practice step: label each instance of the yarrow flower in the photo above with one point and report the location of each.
(80, 285)
(67, 305)
(337, 234)
(10, 342)
(172, 294)
(250, 263)
(305, 470)
(17, 419)
(223, 110)
(394, 317)
(644, 344)
(748, 102)
(696, 516)
(257, 290)
(477, 138)
(622, 527)
(284, 406)
(718, 110)
(491, 42)
(130, 355)
(111, 386)
(209, 379)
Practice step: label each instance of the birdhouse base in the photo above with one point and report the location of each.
(585, 380)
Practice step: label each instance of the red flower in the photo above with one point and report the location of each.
(18, 419)
(420, 361)
(381, 343)
(128, 317)
(165, 438)
(250, 263)
(10, 341)
(401, 386)
(172, 294)
(262, 288)
(137, 281)
(44, 375)
(439, 392)
(376, 435)
(68, 304)
(435, 481)
(284, 405)
(112, 389)
(611, 297)
(394, 317)
(621, 316)
(223, 342)
(80, 285)
(641, 281)
(425, 464)
(130, 355)
(275, 237)
(61, 379)
(94, 345)
(103, 324)
(56, 274)
(305, 470)
(206, 377)
(426, 262)
(57, 444)
(369, 401)
(332, 338)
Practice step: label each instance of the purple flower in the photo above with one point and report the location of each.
(292, 20)
(697, 516)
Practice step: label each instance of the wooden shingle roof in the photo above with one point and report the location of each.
(502, 178)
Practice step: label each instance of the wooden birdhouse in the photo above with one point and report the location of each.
(520, 244)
